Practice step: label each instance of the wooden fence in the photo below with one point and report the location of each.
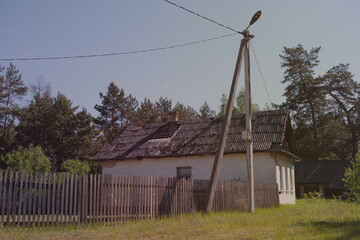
(63, 198)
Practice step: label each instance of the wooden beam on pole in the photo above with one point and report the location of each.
(221, 147)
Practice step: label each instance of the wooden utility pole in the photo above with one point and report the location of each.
(221, 147)
(246, 135)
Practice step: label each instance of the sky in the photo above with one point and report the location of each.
(190, 75)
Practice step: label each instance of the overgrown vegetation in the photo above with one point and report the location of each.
(352, 178)
(31, 159)
(75, 166)
(308, 219)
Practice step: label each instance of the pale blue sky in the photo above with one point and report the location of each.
(190, 75)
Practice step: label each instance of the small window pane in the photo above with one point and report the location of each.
(183, 172)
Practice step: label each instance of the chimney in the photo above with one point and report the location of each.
(222, 109)
(174, 117)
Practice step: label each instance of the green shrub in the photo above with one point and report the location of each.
(75, 166)
(31, 159)
(313, 195)
(352, 178)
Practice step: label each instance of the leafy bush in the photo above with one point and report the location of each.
(75, 166)
(95, 168)
(352, 178)
(31, 159)
(313, 195)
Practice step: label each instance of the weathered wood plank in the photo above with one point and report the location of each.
(15, 198)
(141, 198)
(21, 198)
(9, 202)
(71, 198)
(84, 199)
(118, 197)
(129, 178)
(39, 202)
(101, 198)
(35, 198)
(62, 205)
(30, 197)
(98, 183)
(91, 202)
(2, 196)
(66, 213)
(48, 200)
(26, 199)
(75, 205)
(58, 199)
(112, 199)
(79, 198)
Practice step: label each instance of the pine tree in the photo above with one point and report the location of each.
(342, 91)
(56, 126)
(115, 112)
(164, 107)
(186, 112)
(304, 95)
(147, 113)
(12, 89)
(206, 112)
(37, 122)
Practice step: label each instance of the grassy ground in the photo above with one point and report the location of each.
(308, 219)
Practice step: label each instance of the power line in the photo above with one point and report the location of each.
(206, 18)
(262, 77)
(117, 53)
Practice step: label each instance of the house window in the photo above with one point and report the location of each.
(287, 178)
(281, 178)
(291, 179)
(183, 172)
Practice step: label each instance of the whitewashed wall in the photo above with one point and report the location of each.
(232, 167)
(285, 178)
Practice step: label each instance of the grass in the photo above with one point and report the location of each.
(308, 219)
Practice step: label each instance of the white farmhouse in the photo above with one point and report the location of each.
(187, 149)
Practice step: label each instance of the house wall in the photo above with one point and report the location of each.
(285, 178)
(232, 167)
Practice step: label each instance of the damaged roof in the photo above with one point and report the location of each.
(271, 131)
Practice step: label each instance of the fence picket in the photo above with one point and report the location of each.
(39, 202)
(75, 205)
(26, 199)
(98, 182)
(14, 198)
(2, 196)
(79, 199)
(9, 203)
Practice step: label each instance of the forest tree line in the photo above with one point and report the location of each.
(50, 133)
(325, 112)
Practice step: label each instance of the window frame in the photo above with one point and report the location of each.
(179, 169)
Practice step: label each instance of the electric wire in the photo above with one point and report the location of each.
(206, 18)
(262, 77)
(117, 53)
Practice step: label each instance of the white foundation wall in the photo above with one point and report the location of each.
(285, 178)
(232, 167)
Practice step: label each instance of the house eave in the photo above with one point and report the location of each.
(283, 152)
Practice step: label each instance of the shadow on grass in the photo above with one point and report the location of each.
(349, 229)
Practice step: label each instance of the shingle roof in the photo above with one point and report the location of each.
(271, 131)
(323, 171)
